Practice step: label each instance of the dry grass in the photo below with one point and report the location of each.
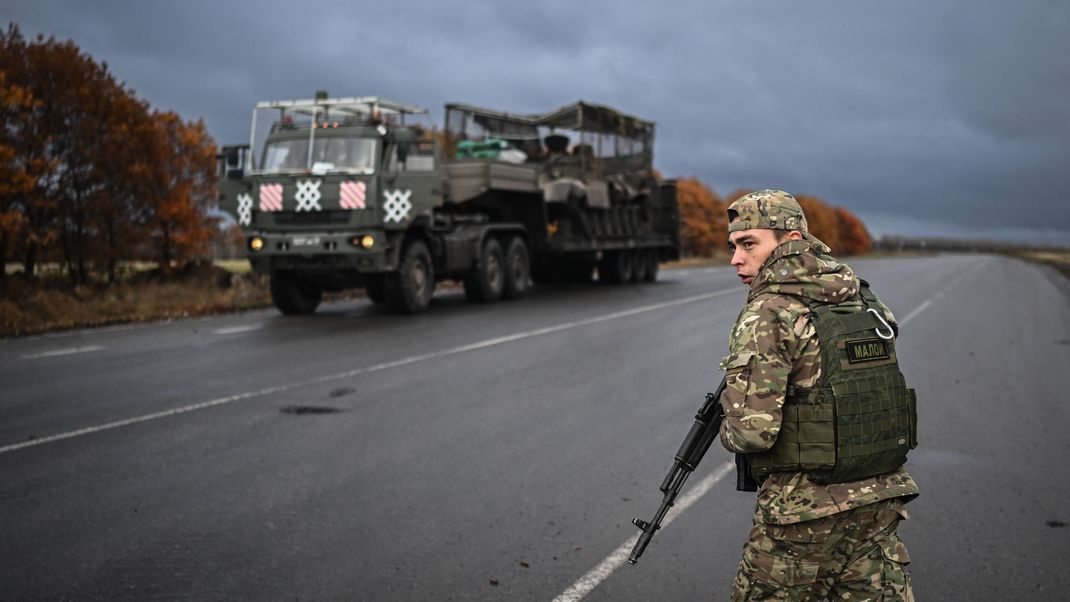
(32, 307)
(1059, 260)
(49, 304)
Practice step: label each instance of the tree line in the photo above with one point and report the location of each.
(89, 174)
(704, 223)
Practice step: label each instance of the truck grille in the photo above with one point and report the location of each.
(292, 218)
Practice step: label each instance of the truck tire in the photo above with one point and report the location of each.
(409, 289)
(294, 296)
(641, 265)
(375, 288)
(517, 269)
(650, 272)
(487, 280)
(616, 267)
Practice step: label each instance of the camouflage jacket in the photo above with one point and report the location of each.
(773, 344)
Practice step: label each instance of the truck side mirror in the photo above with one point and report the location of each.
(232, 161)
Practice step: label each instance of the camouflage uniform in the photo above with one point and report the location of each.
(809, 540)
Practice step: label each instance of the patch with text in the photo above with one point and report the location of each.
(866, 350)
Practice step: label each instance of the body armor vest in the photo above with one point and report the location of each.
(860, 419)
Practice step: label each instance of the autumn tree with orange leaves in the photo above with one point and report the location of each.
(703, 222)
(87, 173)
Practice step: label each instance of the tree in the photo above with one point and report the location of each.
(16, 181)
(853, 234)
(124, 163)
(30, 168)
(185, 170)
(703, 223)
(84, 164)
(821, 221)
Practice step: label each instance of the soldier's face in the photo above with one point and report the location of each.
(750, 249)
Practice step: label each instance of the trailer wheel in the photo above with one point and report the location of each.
(294, 296)
(517, 270)
(375, 288)
(487, 280)
(409, 290)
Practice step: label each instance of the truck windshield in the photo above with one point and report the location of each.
(329, 153)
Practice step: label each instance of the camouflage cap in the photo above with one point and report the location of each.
(768, 210)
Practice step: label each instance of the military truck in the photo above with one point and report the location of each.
(336, 193)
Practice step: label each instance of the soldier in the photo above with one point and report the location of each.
(828, 505)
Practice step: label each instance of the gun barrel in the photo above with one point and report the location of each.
(637, 551)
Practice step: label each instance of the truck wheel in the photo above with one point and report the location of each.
(650, 274)
(375, 288)
(486, 281)
(517, 270)
(632, 266)
(617, 267)
(294, 296)
(409, 290)
(640, 264)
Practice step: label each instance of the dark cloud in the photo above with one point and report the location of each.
(922, 117)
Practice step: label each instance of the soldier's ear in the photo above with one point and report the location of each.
(795, 235)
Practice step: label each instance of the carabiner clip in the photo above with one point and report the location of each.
(884, 323)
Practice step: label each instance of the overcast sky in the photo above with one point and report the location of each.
(922, 117)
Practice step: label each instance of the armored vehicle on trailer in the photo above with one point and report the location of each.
(337, 193)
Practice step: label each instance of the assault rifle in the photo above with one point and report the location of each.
(703, 432)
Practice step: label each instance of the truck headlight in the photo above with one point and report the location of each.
(365, 242)
(256, 243)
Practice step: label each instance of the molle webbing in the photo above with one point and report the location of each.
(860, 419)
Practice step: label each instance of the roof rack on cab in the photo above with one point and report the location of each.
(361, 105)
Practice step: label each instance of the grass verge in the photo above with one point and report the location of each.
(1060, 260)
(49, 304)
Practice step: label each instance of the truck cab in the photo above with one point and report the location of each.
(326, 188)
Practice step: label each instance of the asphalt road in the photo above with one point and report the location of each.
(499, 452)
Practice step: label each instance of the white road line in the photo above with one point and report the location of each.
(238, 329)
(384, 366)
(917, 310)
(58, 352)
(584, 585)
(939, 294)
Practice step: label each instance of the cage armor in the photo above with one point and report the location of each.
(860, 419)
